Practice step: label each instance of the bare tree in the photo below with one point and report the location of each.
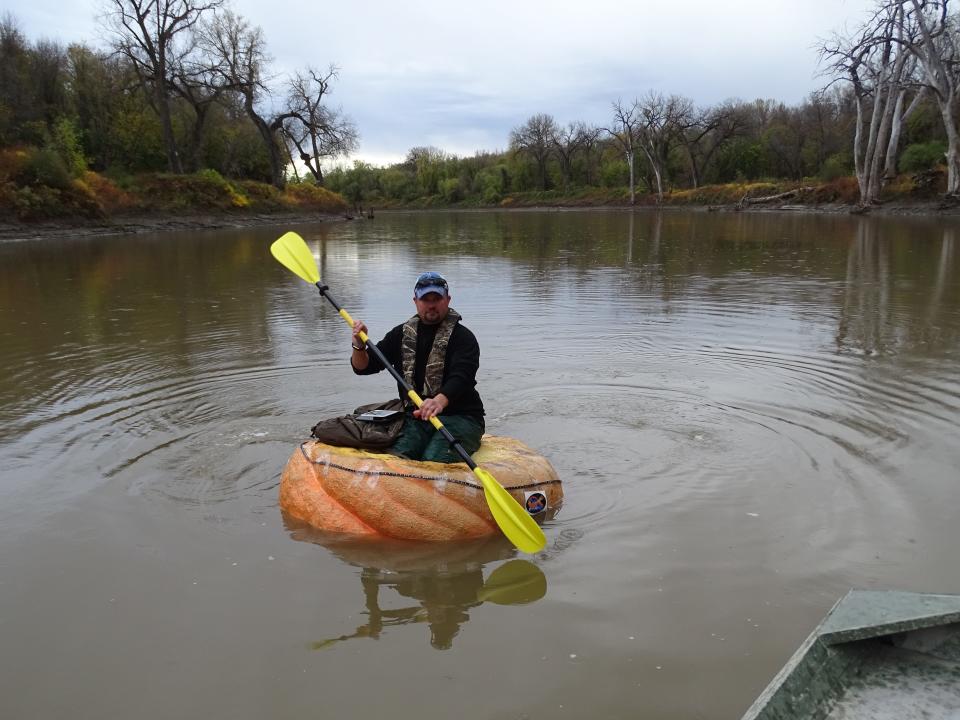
(662, 122)
(567, 142)
(589, 146)
(878, 63)
(194, 80)
(146, 32)
(785, 136)
(938, 52)
(239, 58)
(626, 134)
(707, 131)
(900, 117)
(315, 130)
(535, 138)
(763, 111)
(820, 112)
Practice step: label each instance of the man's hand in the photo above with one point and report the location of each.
(358, 327)
(431, 407)
(359, 358)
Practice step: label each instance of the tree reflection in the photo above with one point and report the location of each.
(944, 265)
(864, 314)
(896, 292)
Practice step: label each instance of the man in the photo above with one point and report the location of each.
(439, 358)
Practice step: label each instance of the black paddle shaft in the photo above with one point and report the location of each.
(371, 347)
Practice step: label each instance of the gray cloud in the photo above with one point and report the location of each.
(460, 76)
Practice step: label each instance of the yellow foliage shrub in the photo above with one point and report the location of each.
(108, 194)
(12, 162)
(313, 197)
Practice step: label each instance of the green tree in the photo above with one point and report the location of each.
(740, 159)
(491, 183)
(450, 190)
(398, 184)
(427, 165)
(923, 156)
(94, 82)
(14, 79)
(65, 141)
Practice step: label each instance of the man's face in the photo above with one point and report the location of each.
(432, 307)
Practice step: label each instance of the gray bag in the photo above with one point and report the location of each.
(377, 431)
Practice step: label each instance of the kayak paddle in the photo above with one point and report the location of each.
(516, 523)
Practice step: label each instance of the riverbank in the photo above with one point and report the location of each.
(140, 224)
(184, 203)
(93, 204)
(906, 198)
(907, 194)
(132, 225)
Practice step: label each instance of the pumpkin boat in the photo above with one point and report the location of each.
(359, 492)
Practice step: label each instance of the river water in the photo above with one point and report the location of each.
(751, 414)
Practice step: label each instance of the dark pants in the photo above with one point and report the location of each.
(419, 440)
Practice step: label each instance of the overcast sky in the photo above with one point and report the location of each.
(460, 75)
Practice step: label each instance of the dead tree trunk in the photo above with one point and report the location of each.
(624, 134)
(900, 118)
(878, 65)
(938, 60)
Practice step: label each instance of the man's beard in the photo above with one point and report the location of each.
(431, 317)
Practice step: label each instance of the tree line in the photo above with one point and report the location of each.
(185, 85)
(652, 144)
(179, 86)
(891, 103)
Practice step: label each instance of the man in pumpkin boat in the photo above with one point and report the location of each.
(439, 358)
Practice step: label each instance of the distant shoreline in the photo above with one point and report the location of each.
(889, 209)
(164, 222)
(153, 223)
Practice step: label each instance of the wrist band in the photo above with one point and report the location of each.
(361, 348)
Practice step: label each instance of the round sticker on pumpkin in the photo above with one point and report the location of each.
(535, 502)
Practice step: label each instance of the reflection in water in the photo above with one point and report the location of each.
(944, 265)
(445, 579)
(882, 310)
(864, 325)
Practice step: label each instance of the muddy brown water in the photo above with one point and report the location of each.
(750, 413)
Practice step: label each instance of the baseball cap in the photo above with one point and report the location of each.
(430, 282)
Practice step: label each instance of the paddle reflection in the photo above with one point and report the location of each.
(445, 579)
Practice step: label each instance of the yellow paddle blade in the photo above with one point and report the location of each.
(292, 252)
(515, 522)
(517, 582)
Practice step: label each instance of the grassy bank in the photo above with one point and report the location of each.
(918, 189)
(35, 187)
(905, 189)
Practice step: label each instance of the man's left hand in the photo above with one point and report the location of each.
(431, 407)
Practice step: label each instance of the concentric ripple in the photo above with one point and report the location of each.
(667, 366)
